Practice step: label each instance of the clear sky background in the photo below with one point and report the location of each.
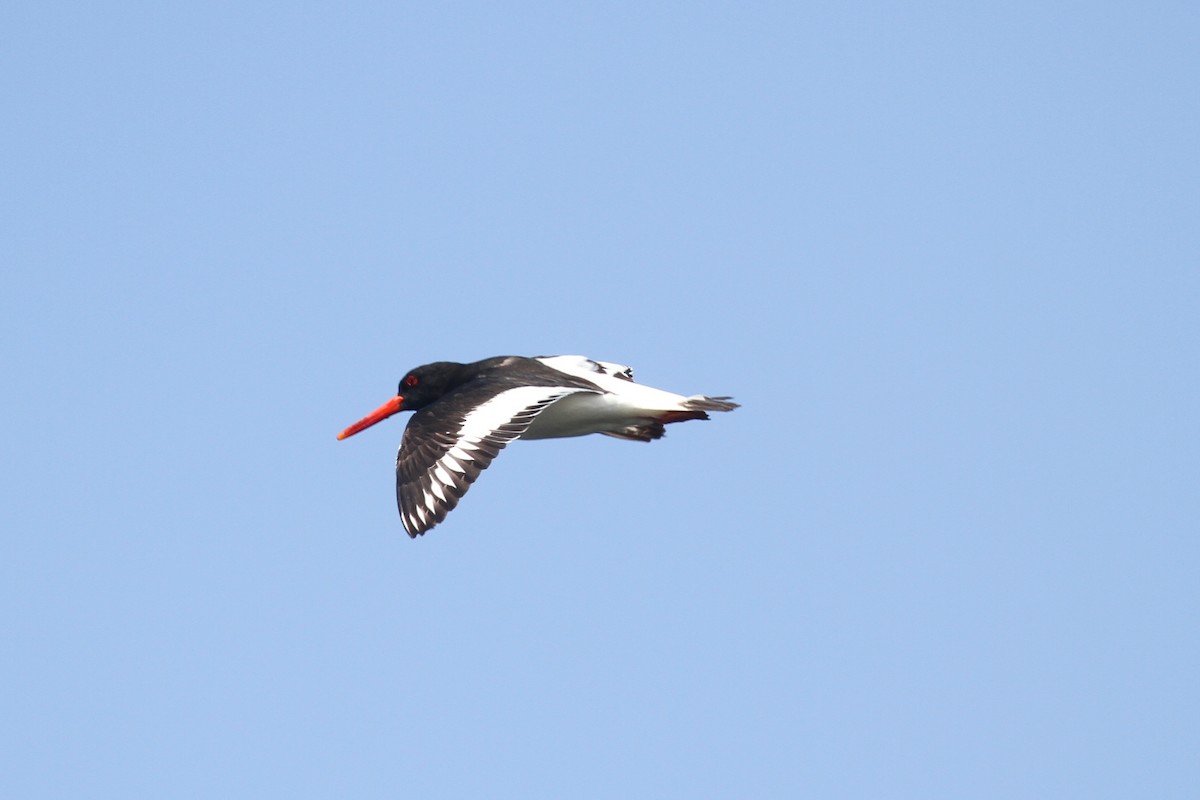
(946, 255)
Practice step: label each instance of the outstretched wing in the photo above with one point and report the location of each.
(442, 453)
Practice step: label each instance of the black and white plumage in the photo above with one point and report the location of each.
(467, 413)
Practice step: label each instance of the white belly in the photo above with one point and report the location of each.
(584, 413)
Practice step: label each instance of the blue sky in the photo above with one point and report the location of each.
(945, 255)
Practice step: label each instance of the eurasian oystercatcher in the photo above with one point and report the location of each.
(467, 413)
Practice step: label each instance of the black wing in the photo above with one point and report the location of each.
(446, 445)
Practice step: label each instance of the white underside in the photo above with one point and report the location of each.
(626, 403)
(583, 413)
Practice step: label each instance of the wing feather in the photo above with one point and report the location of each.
(441, 455)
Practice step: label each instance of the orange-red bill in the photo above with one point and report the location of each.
(381, 413)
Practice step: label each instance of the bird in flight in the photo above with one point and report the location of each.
(467, 413)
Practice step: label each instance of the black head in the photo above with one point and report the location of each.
(418, 388)
(426, 384)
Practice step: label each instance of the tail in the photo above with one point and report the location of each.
(699, 402)
(695, 408)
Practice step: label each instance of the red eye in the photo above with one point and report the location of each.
(411, 380)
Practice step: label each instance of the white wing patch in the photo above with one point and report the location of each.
(502, 409)
(587, 368)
